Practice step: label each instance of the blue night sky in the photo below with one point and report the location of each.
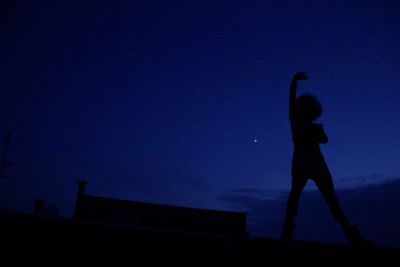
(186, 103)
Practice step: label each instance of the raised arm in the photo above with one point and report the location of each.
(300, 76)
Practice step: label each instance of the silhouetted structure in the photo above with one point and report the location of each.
(38, 205)
(140, 214)
(309, 163)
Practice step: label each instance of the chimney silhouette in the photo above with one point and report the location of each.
(79, 196)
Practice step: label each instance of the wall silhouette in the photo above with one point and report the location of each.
(134, 213)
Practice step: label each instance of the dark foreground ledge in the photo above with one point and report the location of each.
(36, 241)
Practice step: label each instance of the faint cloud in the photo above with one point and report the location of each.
(361, 180)
(245, 197)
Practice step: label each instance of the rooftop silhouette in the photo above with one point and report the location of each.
(150, 215)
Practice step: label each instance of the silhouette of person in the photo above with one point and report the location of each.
(309, 163)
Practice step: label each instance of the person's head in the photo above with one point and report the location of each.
(308, 107)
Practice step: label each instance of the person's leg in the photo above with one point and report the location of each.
(298, 183)
(325, 186)
(352, 232)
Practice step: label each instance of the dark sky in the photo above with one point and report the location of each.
(184, 102)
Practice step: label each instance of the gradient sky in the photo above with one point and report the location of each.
(185, 102)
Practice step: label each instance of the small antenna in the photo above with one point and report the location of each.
(5, 163)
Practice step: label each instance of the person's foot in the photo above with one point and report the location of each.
(287, 231)
(354, 237)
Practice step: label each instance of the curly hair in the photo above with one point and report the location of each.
(308, 107)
